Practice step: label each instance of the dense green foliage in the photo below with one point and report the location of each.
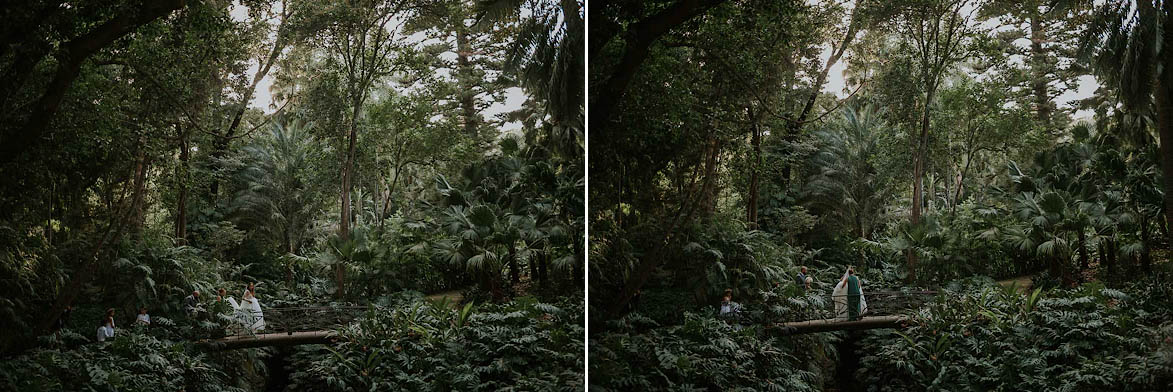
(327, 151)
(981, 338)
(1024, 140)
(424, 346)
(131, 362)
(691, 349)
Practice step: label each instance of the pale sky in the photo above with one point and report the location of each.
(1087, 84)
(263, 98)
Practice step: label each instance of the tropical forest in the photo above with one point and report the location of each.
(904, 195)
(293, 195)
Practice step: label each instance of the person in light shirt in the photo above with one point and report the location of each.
(106, 329)
(143, 318)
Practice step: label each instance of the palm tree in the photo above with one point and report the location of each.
(547, 56)
(845, 182)
(277, 198)
(1128, 45)
(482, 218)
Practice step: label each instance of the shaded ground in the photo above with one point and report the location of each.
(1023, 283)
(454, 297)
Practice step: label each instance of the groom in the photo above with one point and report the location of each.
(853, 295)
(800, 279)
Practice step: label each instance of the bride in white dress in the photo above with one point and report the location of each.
(248, 311)
(839, 296)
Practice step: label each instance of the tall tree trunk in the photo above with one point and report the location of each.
(652, 259)
(751, 206)
(1054, 268)
(795, 127)
(1165, 127)
(1038, 63)
(918, 173)
(390, 189)
(494, 283)
(961, 180)
(182, 177)
(543, 264)
(347, 176)
(1146, 258)
(514, 272)
(710, 189)
(1104, 261)
(467, 94)
(1112, 260)
(859, 232)
(1083, 258)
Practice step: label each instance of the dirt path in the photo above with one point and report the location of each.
(1023, 282)
(454, 297)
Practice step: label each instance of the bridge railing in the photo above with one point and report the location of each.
(294, 319)
(879, 303)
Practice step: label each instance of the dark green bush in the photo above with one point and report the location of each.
(132, 361)
(986, 338)
(524, 345)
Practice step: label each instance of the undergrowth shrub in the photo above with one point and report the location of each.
(989, 338)
(132, 361)
(523, 344)
(705, 352)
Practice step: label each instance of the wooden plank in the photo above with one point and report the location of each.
(812, 326)
(269, 339)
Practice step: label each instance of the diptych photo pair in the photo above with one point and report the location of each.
(573, 195)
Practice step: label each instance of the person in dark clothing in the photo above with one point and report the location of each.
(801, 278)
(192, 302)
(853, 295)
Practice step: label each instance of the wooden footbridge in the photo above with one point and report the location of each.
(290, 326)
(886, 309)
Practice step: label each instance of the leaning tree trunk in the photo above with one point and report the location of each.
(71, 56)
(795, 127)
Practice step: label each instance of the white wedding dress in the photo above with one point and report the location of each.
(248, 312)
(839, 296)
